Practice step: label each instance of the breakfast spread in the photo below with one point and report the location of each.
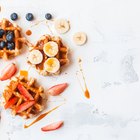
(11, 40)
(48, 55)
(24, 97)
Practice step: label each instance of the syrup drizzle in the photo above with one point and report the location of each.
(28, 32)
(42, 116)
(84, 88)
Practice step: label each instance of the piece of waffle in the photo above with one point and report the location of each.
(37, 92)
(62, 54)
(18, 40)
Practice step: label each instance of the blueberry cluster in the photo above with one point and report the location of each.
(29, 16)
(8, 43)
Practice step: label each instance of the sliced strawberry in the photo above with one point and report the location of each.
(11, 102)
(57, 89)
(23, 91)
(52, 126)
(24, 106)
(8, 71)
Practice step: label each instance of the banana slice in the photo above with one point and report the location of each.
(52, 65)
(80, 38)
(50, 48)
(62, 26)
(35, 57)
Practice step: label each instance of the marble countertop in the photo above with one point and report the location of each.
(110, 63)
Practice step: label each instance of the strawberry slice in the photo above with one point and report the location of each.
(23, 91)
(8, 72)
(57, 89)
(52, 126)
(11, 102)
(24, 106)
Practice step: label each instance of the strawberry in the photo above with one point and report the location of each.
(52, 126)
(11, 102)
(24, 106)
(24, 92)
(8, 71)
(57, 89)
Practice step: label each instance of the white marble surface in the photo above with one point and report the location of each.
(111, 65)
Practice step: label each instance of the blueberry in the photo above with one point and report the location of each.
(29, 16)
(48, 16)
(9, 36)
(1, 33)
(14, 16)
(10, 45)
(2, 44)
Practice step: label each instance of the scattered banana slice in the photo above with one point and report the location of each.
(35, 57)
(80, 38)
(50, 48)
(52, 65)
(62, 26)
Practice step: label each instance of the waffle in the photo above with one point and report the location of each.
(61, 55)
(37, 92)
(18, 40)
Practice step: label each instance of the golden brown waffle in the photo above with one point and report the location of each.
(18, 40)
(61, 55)
(37, 93)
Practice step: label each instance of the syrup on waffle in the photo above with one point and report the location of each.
(61, 55)
(18, 40)
(22, 103)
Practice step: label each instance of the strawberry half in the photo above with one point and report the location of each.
(23, 91)
(52, 126)
(8, 72)
(11, 102)
(57, 89)
(24, 106)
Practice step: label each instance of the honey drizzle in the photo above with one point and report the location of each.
(42, 116)
(28, 32)
(85, 88)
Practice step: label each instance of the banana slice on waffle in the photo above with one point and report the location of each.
(24, 97)
(48, 55)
